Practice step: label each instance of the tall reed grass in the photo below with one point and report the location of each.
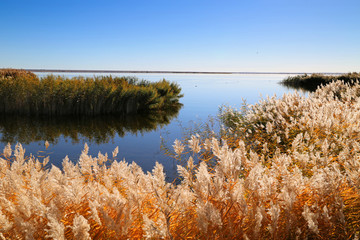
(313, 81)
(24, 93)
(285, 168)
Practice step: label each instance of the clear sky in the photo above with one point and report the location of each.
(182, 35)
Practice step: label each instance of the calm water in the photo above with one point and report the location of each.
(139, 137)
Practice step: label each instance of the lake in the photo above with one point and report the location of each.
(139, 137)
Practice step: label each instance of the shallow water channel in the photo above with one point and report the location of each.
(139, 137)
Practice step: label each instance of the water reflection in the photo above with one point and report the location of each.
(99, 129)
(307, 87)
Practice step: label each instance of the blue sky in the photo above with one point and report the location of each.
(182, 35)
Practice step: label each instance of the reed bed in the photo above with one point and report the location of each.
(23, 93)
(285, 168)
(313, 81)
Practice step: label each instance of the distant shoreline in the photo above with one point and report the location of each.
(169, 72)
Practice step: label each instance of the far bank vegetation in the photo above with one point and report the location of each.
(24, 93)
(313, 81)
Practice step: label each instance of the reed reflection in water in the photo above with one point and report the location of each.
(98, 129)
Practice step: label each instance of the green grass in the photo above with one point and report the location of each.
(313, 81)
(23, 93)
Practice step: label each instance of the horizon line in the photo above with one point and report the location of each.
(168, 72)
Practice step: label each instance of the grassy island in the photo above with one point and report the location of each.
(23, 93)
(313, 81)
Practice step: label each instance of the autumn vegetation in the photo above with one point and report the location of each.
(23, 93)
(284, 168)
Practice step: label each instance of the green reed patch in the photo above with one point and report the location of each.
(23, 93)
(313, 81)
